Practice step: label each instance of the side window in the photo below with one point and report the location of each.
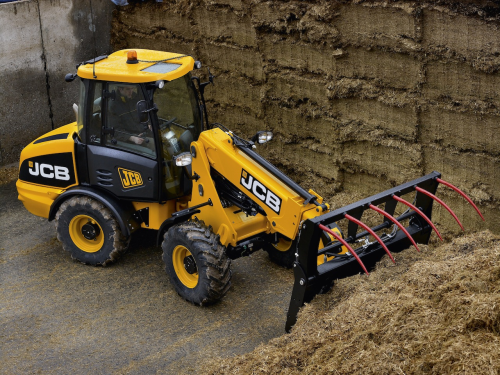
(96, 117)
(129, 133)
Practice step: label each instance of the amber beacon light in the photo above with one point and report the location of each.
(132, 57)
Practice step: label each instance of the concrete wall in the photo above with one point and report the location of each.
(41, 41)
(360, 95)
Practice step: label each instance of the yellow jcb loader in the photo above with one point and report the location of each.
(142, 154)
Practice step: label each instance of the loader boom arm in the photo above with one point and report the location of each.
(281, 203)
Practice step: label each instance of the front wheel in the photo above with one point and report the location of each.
(283, 252)
(89, 232)
(196, 263)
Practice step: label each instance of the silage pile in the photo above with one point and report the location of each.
(435, 312)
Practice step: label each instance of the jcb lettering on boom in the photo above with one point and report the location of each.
(260, 191)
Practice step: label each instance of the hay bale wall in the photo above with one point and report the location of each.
(360, 95)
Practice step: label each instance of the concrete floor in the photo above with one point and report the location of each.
(60, 316)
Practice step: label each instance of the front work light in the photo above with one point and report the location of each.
(265, 137)
(262, 137)
(183, 159)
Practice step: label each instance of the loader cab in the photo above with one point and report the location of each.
(130, 132)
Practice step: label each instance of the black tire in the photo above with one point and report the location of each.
(283, 253)
(109, 242)
(204, 278)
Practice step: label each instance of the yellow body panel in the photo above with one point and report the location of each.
(38, 197)
(158, 213)
(215, 149)
(51, 147)
(115, 67)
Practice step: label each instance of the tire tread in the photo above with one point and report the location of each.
(213, 256)
(120, 242)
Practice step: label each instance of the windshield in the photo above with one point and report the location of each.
(179, 121)
(178, 108)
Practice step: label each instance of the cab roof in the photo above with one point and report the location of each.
(151, 66)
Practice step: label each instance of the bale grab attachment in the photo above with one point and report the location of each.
(312, 279)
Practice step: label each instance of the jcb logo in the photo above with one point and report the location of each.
(49, 171)
(129, 178)
(260, 191)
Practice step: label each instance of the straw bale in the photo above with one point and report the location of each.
(231, 89)
(371, 115)
(225, 25)
(368, 21)
(228, 58)
(244, 121)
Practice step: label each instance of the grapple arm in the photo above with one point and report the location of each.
(312, 279)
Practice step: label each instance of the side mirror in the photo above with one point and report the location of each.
(70, 77)
(142, 111)
(262, 137)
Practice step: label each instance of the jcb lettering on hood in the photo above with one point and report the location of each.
(49, 171)
(258, 189)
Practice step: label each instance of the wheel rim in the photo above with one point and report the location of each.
(283, 245)
(190, 280)
(77, 236)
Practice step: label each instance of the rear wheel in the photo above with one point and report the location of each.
(283, 252)
(89, 232)
(196, 263)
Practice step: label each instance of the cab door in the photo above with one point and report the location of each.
(121, 152)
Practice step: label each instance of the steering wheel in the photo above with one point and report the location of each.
(166, 122)
(180, 126)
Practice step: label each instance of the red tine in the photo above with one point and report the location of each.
(462, 194)
(423, 191)
(367, 228)
(391, 218)
(399, 199)
(343, 242)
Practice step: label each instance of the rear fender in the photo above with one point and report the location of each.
(121, 210)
